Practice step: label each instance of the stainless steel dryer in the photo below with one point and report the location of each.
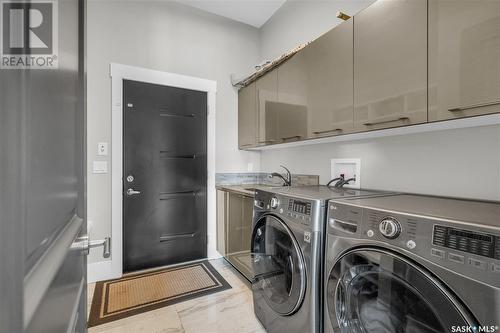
(410, 263)
(287, 250)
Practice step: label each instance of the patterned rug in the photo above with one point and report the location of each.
(142, 292)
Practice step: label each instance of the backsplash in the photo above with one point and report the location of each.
(262, 178)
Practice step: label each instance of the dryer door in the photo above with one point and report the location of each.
(278, 265)
(372, 290)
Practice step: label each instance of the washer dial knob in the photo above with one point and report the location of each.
(274, 202)
(390, 228)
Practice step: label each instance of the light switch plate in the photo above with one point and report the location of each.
(102, 149)
(350, 168)
(100, 166)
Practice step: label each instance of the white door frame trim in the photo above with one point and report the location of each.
(119, 73)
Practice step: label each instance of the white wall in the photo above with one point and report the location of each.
(300, 21)
(464, 163)
(461, 162)
(171, 37)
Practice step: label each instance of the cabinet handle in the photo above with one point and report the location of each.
(268, 141)
(329, 131)
(386, 121)
(291, 137)
(473, 106)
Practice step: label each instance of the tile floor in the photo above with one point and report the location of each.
(228, 311)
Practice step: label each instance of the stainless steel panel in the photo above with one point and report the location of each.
(309, 236)
(417, 216)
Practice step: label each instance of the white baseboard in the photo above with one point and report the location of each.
(100, 271)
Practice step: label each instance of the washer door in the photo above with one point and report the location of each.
(377, 291)
(278, 265)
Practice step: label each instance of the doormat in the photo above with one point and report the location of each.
(142, 292)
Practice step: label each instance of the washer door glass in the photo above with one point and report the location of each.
(382, 292)
(278, 266)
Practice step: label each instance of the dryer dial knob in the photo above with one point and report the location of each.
(274, 202)
(390, 228)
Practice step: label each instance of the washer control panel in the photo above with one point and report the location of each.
(481, 244)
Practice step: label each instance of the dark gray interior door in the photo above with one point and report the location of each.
(42, 182)
(164, 175)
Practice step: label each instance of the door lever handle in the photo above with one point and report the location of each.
(84, 244)
(131, 192)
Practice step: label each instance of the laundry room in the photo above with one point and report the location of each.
(319, 166)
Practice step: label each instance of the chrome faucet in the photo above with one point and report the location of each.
(287, 181)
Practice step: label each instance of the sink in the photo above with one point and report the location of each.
(261, 186)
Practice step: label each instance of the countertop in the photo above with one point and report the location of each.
(244, 188)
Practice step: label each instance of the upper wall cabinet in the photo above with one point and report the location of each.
(267, 105)
(464, 58)
(390, 64)
(247, 117)
(330, 82)
(292, 107)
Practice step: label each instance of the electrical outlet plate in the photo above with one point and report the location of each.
(102, 149)
(349, 167)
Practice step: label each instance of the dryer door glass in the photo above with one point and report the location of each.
(278, 266)
(380, 291)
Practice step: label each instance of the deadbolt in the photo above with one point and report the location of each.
(130, 178)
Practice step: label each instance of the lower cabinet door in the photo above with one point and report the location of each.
(239, 233)
(234, 224)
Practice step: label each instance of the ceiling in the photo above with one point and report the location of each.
(252, 12)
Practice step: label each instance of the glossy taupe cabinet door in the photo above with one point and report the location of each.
(267, 113)
(292, 107)
(464, 58)
(247, 117)
(390, 64)
(238, 232)
(222, 197)
(247, 222)
(330, 82)
(234, 229)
